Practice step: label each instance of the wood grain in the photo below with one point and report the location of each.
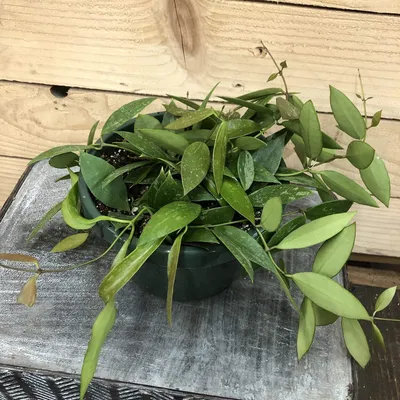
(373, 277)
(150, 47)
(10, 171)
(383, 6)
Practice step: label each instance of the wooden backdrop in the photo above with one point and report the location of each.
(110, 52)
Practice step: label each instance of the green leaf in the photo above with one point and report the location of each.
(347, 115)
(196, 135)
(237, 240)
(122, 252)
(147, 122)
(316, 231)
(214, 216)
(245, 168)
(172, 266)
(286, 192)
(166, 139)
(123, 170)
(190, 118)
(323, 317)
(201, 235)
(125, 114)
(249, 143)
(377, 180)
(272, 214)
(70, 242)
(334, 253)
(306, 332)
(237, 198)
(185, 101)
(261, 174)
(347, 188)
(385, 298)
(137, 176)
(326, 155)
(200, 194)
(194, 166)
(329, 295)
(300, 179)
(247, 104)
(92, 133)
(169, 191)
(261, 93)
(271, 154)
(328, 208)
(123, 272)
(101, 328)
(66, 160)
(272, 77)
(94, 170)
(241, 127)
(55, 151)
(326, 195)
(284, 230)
(46, 218)
(287, 110)
(19, 258)
(310, 130)
(174, 110)
(378, 337)
(360, 154)
(330, 143)
(219, 155)
(376, 119)
(167, 118)
(144, 145)
(355, 340)
(168, 219)
(154, 187)
(300, 148)
(228, 172)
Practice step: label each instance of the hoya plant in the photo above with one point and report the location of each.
(195, 176)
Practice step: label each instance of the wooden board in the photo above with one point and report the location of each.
(373, 277)
(382, 6)
(153, 47)
(10, 171)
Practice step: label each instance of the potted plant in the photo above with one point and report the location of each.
(194, 197)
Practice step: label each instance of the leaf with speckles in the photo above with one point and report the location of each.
(286, 192)
(190, 118)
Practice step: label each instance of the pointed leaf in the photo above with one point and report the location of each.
(287, 110)
(166, 139)
(204, 103)
(360, 154)
(137, 176)
(245, 168)
(195, 164)
(94, 170)
(300, 148)
(123, 170)
(346, 114)
(154, 187)
(215, 216)
(168, 219)
(355, 340)
(27, 295)
(55, 151)
(241, 127)
(190, 118)
(326, 155)
(310, 130)
(335, 252)
(328, 208)
(377, 180)
(323, 317)
(316, 231)
(385, 299)
(123, 272)
(147, 122)
(272, 214)
(272, 77)
(169, 191)
(248, 104)
(125, 114)
(200, 194)
(236, 197)
(271, 154)
(378, 337)
(286, 192)
(330, 143)
(101, 328)
(173, 258)
(66, 160)
(249, 143)
(261, 93)
(201, 235)
(19, 258)
(347, 188)
(46, 218)
(261, 174)
(305, 334)
(284, 230)
(329, 295)
(70, 242)
(376, 119)
(174, 110)
(196, 135)
(92, 133)
(219, 155)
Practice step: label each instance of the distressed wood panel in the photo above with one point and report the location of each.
(10, 171)
(382, 6)
(153, 47)
(373, 277)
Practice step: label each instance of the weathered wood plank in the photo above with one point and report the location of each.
(153, 47)
(373, 277)
(383, 6)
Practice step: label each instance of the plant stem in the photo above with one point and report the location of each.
(213, 226)
(280, 70)
(275, 264)
(262, 239)
(18, 269)
(364, 100)
(387, 319)
(294, 173)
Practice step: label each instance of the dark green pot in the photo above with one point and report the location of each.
(202, 272)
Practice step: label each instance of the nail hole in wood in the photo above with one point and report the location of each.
(59, 91)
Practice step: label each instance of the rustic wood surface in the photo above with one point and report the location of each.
(158, 47)
(372, 276)
(240, 344)
(381, 378)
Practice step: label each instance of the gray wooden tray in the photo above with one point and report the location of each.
(240, 344)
